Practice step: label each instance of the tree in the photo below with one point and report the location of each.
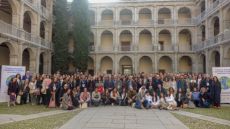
(60, 36)
(80, 33)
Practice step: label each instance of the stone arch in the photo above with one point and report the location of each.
(6, 11)
(28, 21)
(145, 40)
(215, 26)
(202, 6)
(185, 64)
(106, 65)
(164, 13)
(203, 63)
(185, 40)
(202, 33)
(165, 40)
(43, 29)
(27, 55)
(90, 66)
(41, 63)
(106, 41)
(5, 53)
(107, 15)
(145, 64)
(126, 65)
(126, 16)
(145, 14)
(43, 3)
(126, 40)
(165, 64)
(184, 13)
(215, 58)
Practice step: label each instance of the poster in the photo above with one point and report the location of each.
(223, 74)
(7, 72)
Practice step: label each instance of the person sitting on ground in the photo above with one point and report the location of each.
(162, 104)
(76, 96)
(67, 100)
(156, 100)
(180, 96)
(148, 100)
(171, 100)
(12, 91)
(131, 96)
(123, 98)
(96, 97)
(85, 97)
(140, 98)
(204, 98)
(106, 97)
(114, 96)
(196, 97)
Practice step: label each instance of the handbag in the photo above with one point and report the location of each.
(18, 100)
(84, 105)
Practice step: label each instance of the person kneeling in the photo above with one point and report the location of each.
(96, 97)
(67, 101)
(148, 100)
(84, 98)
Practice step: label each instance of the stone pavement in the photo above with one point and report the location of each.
(6, 118)
(203, 117)
(116, 117)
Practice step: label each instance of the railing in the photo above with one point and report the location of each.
(106, 23)
(105, 49)
(128, 22)
(145, 48)
(221, 38)
(16, 33)
(165, 47)
(125, 48)
(165, 22)
(212, 8)
(185, 21)
(183, 48)
(145, 22)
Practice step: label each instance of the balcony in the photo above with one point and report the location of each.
(211, 9)
(106, 23)
(125, 48)
(145, 23)
(19, 34)
(167, 47)
(217, 40)
(126, 23)
(185, 21)
(38, 8)
(165, 22)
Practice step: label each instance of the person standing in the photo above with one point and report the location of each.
(216, 92)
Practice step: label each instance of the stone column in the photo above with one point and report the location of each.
(156, 62)
(37, 54)
(116, 64)
(135, 42)
(207, 62)
(135, 64)
(175, 63)
(97, 65)
(221, 55)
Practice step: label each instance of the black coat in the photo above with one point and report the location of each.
(216, 92)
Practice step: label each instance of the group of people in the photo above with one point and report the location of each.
(163, 91)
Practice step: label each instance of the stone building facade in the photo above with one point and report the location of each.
(132, 36)
(26, 34)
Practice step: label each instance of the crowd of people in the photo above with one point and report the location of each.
(161, 91)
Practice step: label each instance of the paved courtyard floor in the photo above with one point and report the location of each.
(116, 117)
